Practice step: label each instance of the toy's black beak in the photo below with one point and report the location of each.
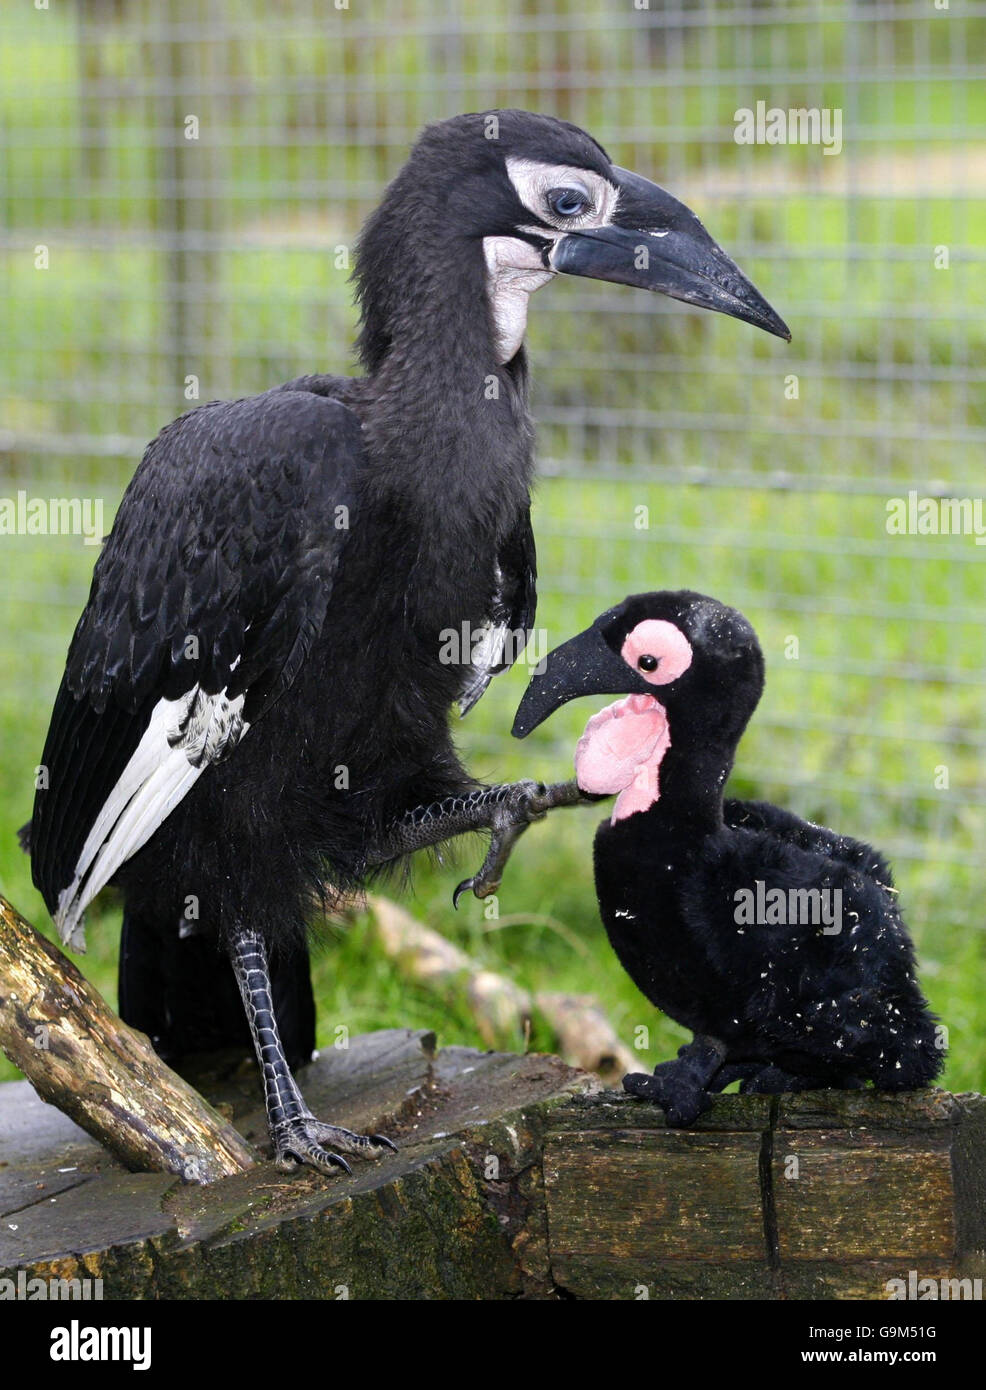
(585, 665)
(656, 243)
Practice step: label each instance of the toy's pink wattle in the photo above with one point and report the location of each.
(621, 750)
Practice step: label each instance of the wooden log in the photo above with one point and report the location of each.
(825, 1194)
(503, 1010)
(584, 1035)
(80, 1056)
(518, 1177)
(456, 1213)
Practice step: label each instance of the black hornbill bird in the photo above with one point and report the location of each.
(254, 703)
(777, 942)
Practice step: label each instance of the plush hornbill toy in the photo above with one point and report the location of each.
(256, 699)
(777, 942)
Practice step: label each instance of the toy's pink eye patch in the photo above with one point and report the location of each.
(658, 651)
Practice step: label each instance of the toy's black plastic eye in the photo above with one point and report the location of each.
(568, 202)
(648, 663)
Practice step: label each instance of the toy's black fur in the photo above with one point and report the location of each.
(791, 1006)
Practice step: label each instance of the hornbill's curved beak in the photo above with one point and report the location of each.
(585, 665)
(656, 243)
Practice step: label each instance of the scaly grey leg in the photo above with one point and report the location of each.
(507, 810)
(296, 1134)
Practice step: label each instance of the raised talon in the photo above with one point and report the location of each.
(532, 803)
(528, 801)
(487, 880)
(461, 888)
(479, 884)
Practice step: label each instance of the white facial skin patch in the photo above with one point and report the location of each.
(514, 268)
(534, 181)
(513, 272)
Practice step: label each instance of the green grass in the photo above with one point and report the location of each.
(845, 750)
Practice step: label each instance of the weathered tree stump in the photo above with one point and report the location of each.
(516, 1176)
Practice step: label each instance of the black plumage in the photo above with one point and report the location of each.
(254, 704)
(779, 943)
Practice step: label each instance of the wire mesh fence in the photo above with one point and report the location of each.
(182, 185)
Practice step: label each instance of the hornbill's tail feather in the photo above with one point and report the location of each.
(181, 992)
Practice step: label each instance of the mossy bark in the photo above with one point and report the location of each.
(81, 1057)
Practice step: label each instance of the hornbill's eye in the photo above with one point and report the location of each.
(648, 663)
(568, 202)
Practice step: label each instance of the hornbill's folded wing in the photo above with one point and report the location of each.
(207, 597)
(511, 616)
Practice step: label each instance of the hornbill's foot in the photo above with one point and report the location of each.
(303, 1141)
(680, 1087)
(524, 803)
(489, 876)
(297, 1136)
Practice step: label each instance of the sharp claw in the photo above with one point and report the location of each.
(305, 1142)
(480, 889)
(314, 1157)
(531, 801)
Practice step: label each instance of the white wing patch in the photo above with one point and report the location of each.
(489, 652)
(487, 655)
(182, 738)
